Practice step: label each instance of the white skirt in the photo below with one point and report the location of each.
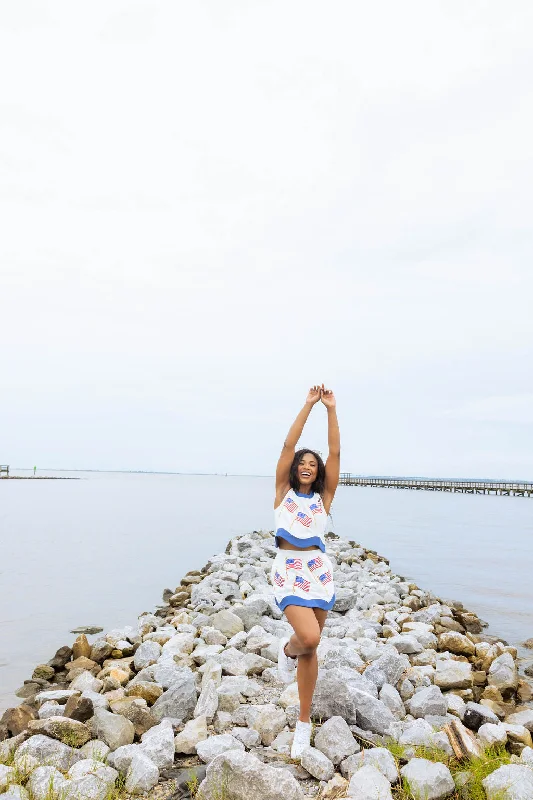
(303, 578)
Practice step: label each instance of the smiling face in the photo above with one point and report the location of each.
(307, 472)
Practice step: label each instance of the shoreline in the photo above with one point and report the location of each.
(202, 666)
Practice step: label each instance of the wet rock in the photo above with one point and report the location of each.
(112, 729)
(245, 777)
(335, 740)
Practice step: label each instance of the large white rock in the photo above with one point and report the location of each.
(451, 674)
(391, 697)
(86, 681)
(194, 731)
(113, 729)
(369, 784)
(142, 774)
(207, 704)
(243, 777)
(429, 700)
(227, 622)
(335, 739)
(510, 782)
(378, 757)
(215, 745)
(268, 720)
(503, 673)
(158, 744)
(95, 749)
(317, 764)
(179, 701)
(44, 781)
(428, 780)
(146, 654)
(491, 734)
(47, 752)
(7, 776)
(15, 792)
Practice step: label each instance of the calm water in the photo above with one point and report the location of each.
(100, 550)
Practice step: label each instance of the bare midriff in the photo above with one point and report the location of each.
(283, 544)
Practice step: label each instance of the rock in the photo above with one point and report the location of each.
(50, 709)
(146, 654)
(81, 647)
(78, 708)
(136, 710)
(61, 658)
(451, 674)
(490, 734)
(455, 705)
(251, 738)
(120, 758)
(180, 699)
(463, 742)
(523, 717)
(268, 721)
(100, 650)
(95, 750)
(244, 777)
(236, 663)
(456, 643)
(503, 673)
(17, 719)
(142, 774)
(336, 787)
(526, 756)
(317, 764)
(334, 738)
(227, 622)
(510, 782)
(391, 697)
(15, 792)
(207, 704)
(86, 680)
(517, 733)
(369, 784)
(289, 696)
(144, 690)
(418, 732)
(212, 671)
(49, 752)
(112, 729)
(91, 779)
(44, 781)
(475, 715)
(378, 757)
(215, 745)
(158, 745)
(7, 776)
(428, 780)
(68, 731)
(344, 693)
(405, 643)
(390, 663)
(427, 701)
(43, 672)
(194, 731)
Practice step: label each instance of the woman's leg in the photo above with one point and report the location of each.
(307, 624)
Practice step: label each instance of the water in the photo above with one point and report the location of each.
(100, 550)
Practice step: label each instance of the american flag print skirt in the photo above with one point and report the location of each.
(303, 578)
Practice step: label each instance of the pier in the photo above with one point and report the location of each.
(507, 488)
(4, 470)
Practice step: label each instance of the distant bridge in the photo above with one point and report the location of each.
(517, 488)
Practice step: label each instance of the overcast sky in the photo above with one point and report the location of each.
(206, 207)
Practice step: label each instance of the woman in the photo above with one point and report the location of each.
(302, 574)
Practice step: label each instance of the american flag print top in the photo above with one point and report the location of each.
(301, 520)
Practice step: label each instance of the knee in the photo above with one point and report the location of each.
(310, 640)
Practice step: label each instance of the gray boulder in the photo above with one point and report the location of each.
(227, 622)
(158, 744)
(369, 784)
(113, 729)
(243, 777)
(48, 752)
(268, 720)
(378, 757)
(391, 697)
(44, 781)
(429, 700)
(391, 663)
(335, 740)
(427, 779)
(142, 774)
(194, 731)
(179, 701)
(146, 654)
(317, 764)
(207, 704)
(215, 745)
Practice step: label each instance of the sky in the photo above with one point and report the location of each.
(207, 207)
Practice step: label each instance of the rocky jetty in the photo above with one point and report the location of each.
(189, 703)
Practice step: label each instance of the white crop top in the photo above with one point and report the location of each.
(301, 520)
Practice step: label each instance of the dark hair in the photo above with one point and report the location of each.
(319, 482)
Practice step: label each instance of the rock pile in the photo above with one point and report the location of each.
(197, 680)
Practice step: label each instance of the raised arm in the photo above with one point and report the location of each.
(287, 452)
(333, 461)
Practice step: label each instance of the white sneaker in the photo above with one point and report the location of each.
(286, 665)
(302, 738)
